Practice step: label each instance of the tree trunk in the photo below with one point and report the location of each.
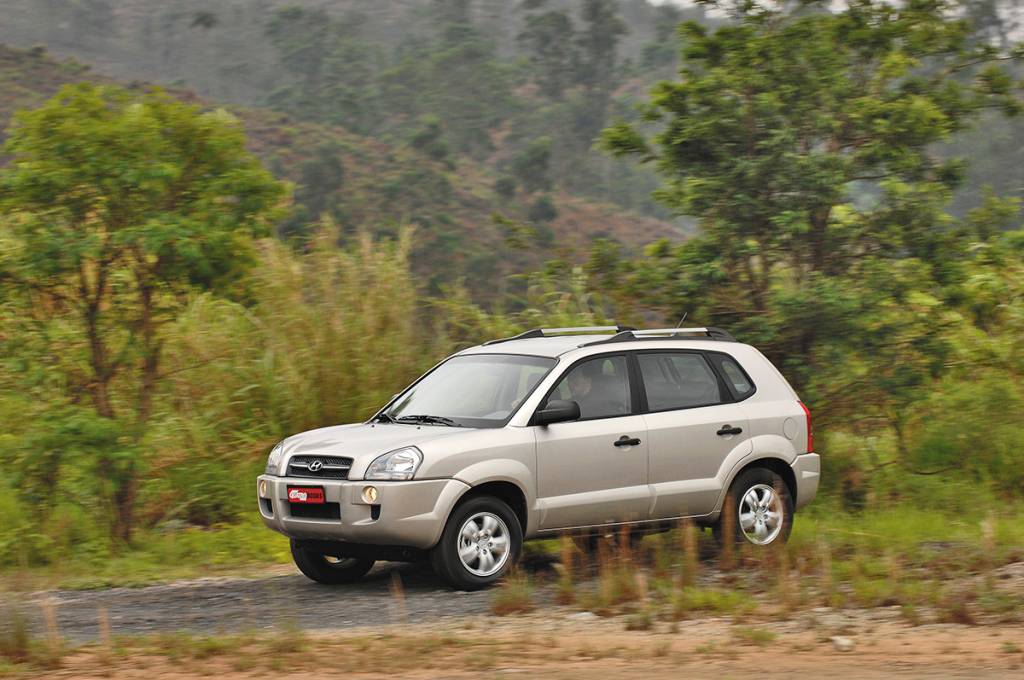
(150, 354)
(819, 246)
(124, 507)
(102, 371)
(896, 419)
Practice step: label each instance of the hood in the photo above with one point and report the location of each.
(362, 442)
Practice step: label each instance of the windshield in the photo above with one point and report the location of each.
(477, 390)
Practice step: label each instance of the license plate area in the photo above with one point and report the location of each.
(306, 495)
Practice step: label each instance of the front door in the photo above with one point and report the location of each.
(593, 471)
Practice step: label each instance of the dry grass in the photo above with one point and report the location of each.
(691, 562)
(727, 555)
(566, 567)
(513, 596)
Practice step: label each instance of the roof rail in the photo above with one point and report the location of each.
(631, 335)
(549, 332)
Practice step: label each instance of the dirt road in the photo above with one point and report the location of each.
(233, 604)
(560, 644)
(285, 626)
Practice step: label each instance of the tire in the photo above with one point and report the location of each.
(756, 495)
(476, 529)
(327, 570)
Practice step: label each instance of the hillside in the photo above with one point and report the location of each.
(366, 183)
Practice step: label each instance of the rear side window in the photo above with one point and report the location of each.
(678, 380)
(734, 375)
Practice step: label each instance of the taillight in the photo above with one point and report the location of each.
(810, 430)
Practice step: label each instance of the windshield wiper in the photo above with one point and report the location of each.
(433, 420)
(385, 417)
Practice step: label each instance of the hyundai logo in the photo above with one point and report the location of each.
(316, 466)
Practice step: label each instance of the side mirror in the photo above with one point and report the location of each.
(557, 411)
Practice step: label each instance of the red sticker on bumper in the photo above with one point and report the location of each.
(305, 494)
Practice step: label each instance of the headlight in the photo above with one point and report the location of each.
(399, 464)
(274, 460)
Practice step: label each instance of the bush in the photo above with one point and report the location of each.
(967, 425)
(543, 210)
(505, 187)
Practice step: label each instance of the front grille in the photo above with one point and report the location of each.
(330, 467)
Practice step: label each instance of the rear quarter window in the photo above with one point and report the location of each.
(735, 377)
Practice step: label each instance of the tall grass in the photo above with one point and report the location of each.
(313, 338)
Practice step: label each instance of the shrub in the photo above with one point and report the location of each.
(965, 426)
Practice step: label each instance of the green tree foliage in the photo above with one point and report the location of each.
(549, 40)
(532, 165)
(543, 210)
(321, 177)
(331, 67)
(664, 49)
(430, 140)
(803, 141)
(598, 43)
(455, 77)
(117, 204)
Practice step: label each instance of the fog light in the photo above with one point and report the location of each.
(370, 494)
(263, 488)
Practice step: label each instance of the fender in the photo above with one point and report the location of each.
(765, 446)
(505, 470)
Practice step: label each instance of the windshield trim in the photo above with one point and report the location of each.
(497, 424)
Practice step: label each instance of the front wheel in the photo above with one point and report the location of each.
(326, 569)
(480, 543)
(762, 510)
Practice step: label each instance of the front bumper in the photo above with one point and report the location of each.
(807, 471)
(409, 514)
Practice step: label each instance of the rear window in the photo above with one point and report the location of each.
(678, 380)
(735, 376)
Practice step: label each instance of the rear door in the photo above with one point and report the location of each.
(693, 425)
(594, 470)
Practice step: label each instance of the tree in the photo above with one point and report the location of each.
(429, 139)
(596, 67)
(598, 42)
(118, 203)
(456, 77)
(549, 41)
(532, 165)
(803, 142)
(331, 65)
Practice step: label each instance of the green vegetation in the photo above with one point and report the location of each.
(167, 313)
(805, 146)
(937, 564)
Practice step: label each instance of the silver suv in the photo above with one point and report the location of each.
(554, 430)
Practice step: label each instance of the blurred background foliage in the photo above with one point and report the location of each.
(331, 196)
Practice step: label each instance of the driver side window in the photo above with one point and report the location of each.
(600, 386)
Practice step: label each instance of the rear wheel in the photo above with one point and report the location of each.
(762, 510)
(480, 543)
(326, 569)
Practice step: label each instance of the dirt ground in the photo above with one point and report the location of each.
(568, 645)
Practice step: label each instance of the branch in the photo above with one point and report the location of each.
(193, 365)
(39, 288)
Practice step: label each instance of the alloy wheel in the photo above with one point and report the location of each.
(761, 513)
(483, 544)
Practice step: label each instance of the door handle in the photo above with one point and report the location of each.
(626, 440)
(728, 430)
